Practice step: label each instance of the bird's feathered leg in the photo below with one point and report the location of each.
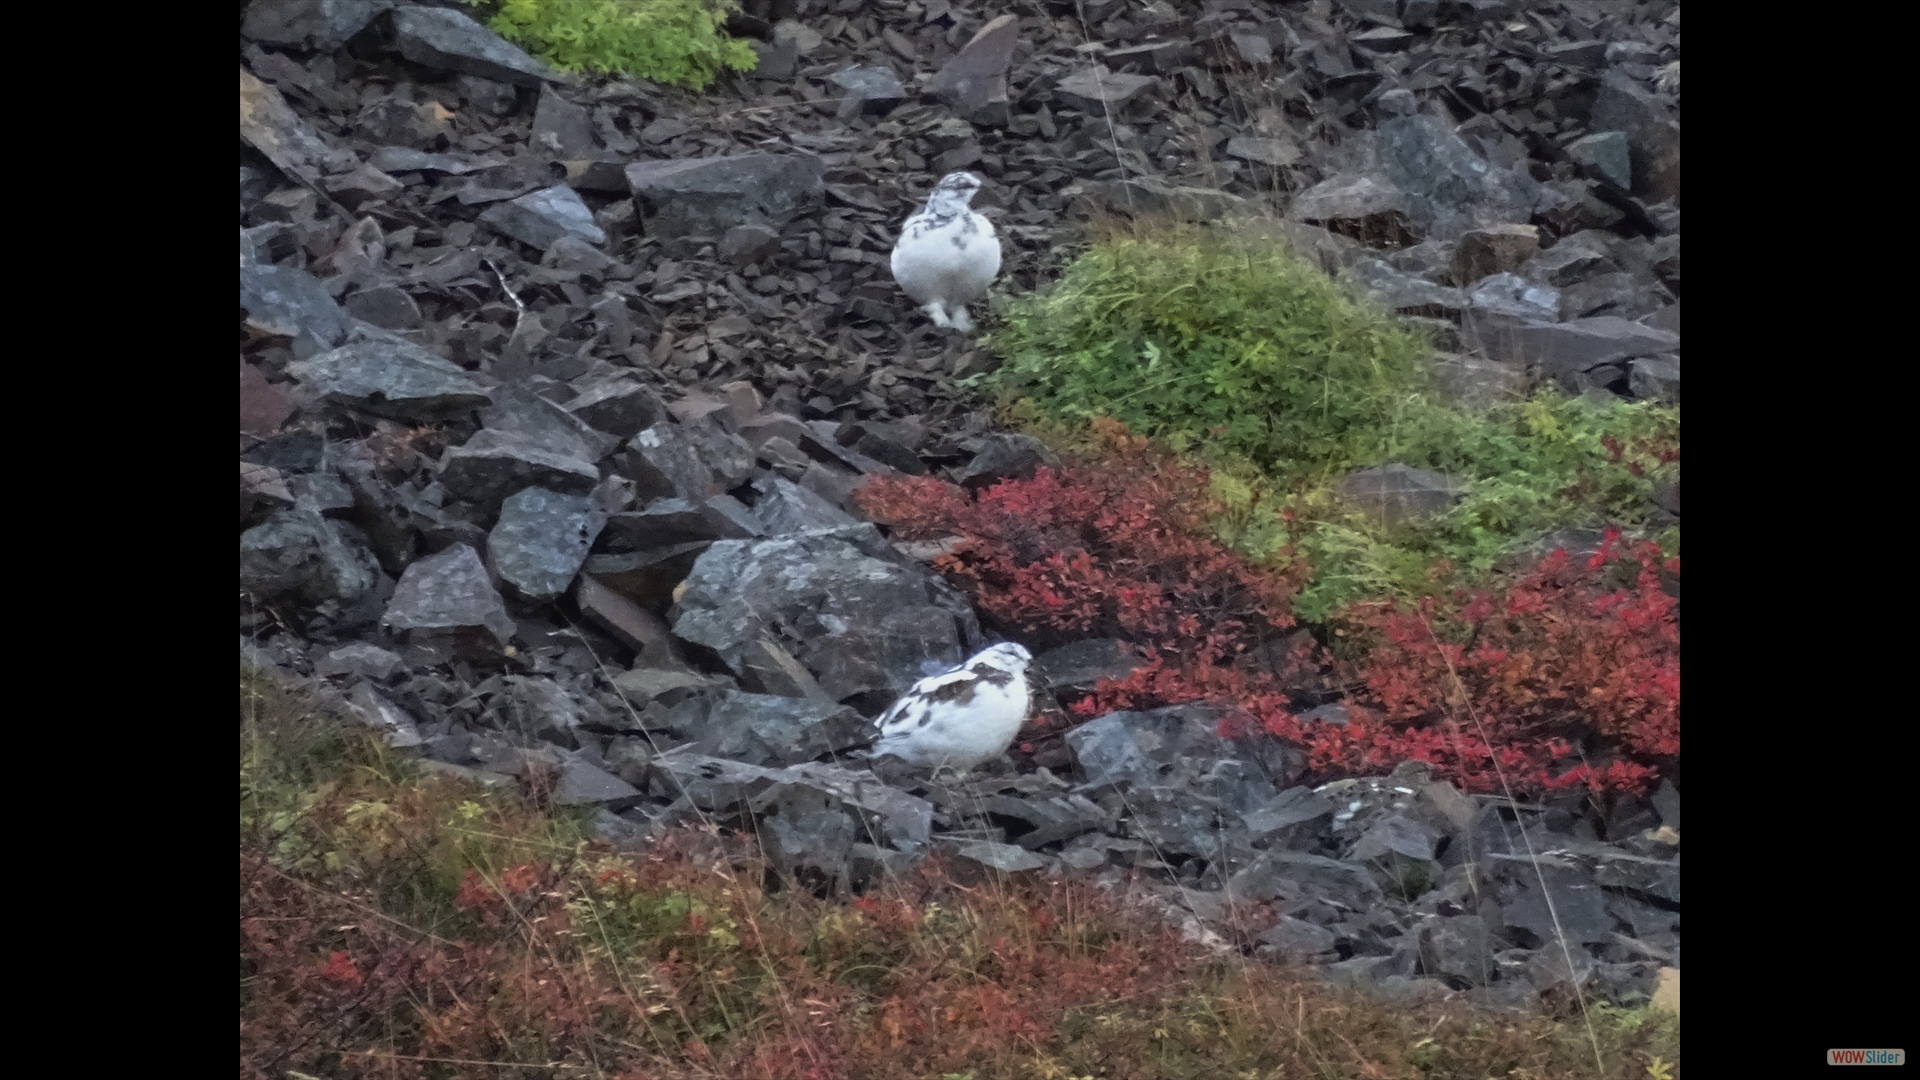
(962, 321)
(937, 311)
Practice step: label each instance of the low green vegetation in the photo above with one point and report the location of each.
(677, 42)
(1236, 349)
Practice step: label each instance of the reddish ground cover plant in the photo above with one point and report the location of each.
(1117, 547)
(1567, 677)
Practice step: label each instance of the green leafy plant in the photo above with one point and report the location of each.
(1211, 341)
(1230, 346)
(678, 42)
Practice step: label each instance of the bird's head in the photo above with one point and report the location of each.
(1008, 655)
(954, 191)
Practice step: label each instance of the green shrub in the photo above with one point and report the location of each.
(1230, 346)
(677, 42)
(1212, 341)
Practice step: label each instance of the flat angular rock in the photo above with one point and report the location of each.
(1575, 259)
(320, 25)
(1395, 493)
(872, 88)
(1273, 153)
(542, 217)
(372, 708)
(1366, 206)
(1402, 292)
(1096, 89)
(770, 669)
(708, 196)
(675, 523)
(1605, 154)
(749, 243)
(494, 464)
(385, 306)
(974, 83)
(1004, 456)
(1653, 136)
(1511, 296)
(665, 461)
(1298, 940)
(542, 540)
(1450, 188)
(561, 128)
(770, 730)
(621, 406)
(284, 301)
(263, 406)
(1079, 667)
(447, 40)
(858, 621)
(785, 507)
(1655, 378)
(300, 556)
(1004, 858)
(1496, 250)
(361, 659)
(262, 491)
(448, 593)
(629, 623)
(393, 379)
(269, 125)
(583, 783)
(1458, 948)
(1396, 834)
(1557, 350)
(1292, 808)
(521, 410)
(1298, 876)
(404, 159)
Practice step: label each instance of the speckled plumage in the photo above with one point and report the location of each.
(961, 718)
(947, 253)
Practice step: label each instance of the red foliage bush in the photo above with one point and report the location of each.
(1483, 688)
(1114, 548)
(1492, 687)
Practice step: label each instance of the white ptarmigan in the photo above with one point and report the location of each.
(963, 718)
(947, 253)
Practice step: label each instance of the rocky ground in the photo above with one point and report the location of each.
(554, 391)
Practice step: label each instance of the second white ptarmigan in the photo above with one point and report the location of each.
(962, 718)
(947, 253)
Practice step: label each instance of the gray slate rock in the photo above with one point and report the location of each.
(1396, 493)
(320, 25)
(317, 562)
(620, 406)
(393, 379)
(785, 507)
(448, 592)
(1561, 350)
(870, 89)
(269, 125)
(1510, 296)
(1004, 456)
(708, 196)
(1605, 154)
(447, 40)
(1402, 292)
(1079, 667)
(542, 540)
(1450, 188)
(289, 302)
(495, 463)
(974, 83)
(835, 599)
(540, 218)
